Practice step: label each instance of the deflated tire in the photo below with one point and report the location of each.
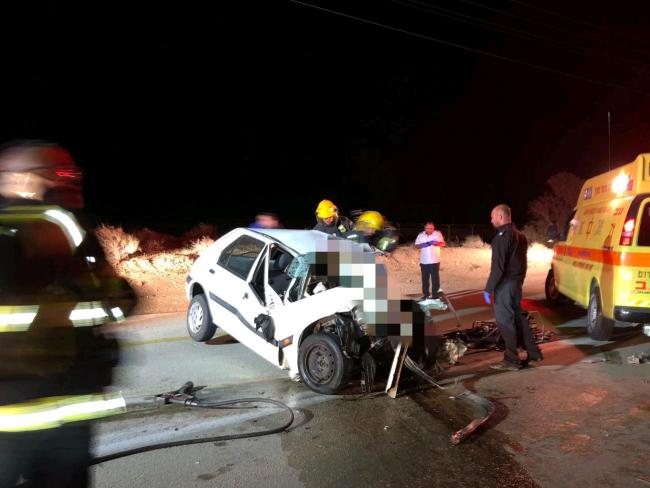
(322, 364)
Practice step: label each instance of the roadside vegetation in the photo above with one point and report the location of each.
(156, 264)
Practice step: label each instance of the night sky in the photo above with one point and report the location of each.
(189, 114)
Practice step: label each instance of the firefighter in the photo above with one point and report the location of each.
(329, 220)
(56, 361)
(371, 228)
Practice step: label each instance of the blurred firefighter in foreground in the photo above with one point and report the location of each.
(329, 220)
(371, 228)
(56, 361)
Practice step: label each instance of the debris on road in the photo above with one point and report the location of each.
(595, 360)
(483, 406)
(641, 358)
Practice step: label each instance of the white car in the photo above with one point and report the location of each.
(294, 297)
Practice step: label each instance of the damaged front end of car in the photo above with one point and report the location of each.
(363, 352)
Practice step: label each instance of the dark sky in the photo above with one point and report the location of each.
(183, 114)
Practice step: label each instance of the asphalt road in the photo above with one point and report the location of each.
(584, 403)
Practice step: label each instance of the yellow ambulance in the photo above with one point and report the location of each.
(604, 263)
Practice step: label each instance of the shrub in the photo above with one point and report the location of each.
(198, 233)
(152, 242)
(474, 242)
(117, 244)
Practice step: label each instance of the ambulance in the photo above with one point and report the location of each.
(604, 262)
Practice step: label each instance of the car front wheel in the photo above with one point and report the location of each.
(323, 366)
(199, 322)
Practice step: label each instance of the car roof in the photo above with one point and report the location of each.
(306, 241)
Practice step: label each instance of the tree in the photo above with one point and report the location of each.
(557, 203)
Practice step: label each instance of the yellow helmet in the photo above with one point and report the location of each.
(326, 209)
(369, 220)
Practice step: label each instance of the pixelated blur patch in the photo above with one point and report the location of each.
(352, 281)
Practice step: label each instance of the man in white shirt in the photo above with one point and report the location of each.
(429, 243)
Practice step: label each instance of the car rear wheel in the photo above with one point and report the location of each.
(323, 366)
(550, 290)
(599, 327)
(199, 322)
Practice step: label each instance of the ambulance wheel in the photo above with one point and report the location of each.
(599, 327)
(323, 366)
(550, 290)
(199, 322)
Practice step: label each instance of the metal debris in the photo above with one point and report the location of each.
(594, 360)
(485, 406)
(641, 358)
(432, 304)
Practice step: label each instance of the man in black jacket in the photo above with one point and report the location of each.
(505, 283)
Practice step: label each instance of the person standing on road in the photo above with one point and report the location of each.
(505, 284)
(429, 243)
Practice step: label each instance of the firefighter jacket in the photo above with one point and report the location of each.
(55, 360)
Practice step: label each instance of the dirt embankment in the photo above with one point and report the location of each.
(156, 265)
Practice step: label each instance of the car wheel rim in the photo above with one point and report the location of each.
(196, 317)
(320, 364)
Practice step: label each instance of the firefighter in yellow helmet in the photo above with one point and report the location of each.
(329, 220)
(56, 361)
(372, 228)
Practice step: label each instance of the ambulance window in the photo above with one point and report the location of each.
(644, 228)
(567, 226)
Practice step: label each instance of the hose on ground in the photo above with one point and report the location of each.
(182, 397)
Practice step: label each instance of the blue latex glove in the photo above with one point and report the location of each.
(487, 297)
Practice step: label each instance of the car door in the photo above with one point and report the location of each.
(277, 288)
(234, 301)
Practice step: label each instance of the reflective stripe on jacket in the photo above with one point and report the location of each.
(52, 412)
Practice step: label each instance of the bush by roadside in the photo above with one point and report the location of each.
(155, 264)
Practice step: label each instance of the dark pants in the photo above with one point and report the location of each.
(433, 271)
(513, 326)
(49, 458)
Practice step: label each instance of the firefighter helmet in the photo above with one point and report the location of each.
(326, 209)
(370, 220)
(50, 162)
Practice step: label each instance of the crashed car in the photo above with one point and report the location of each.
(298, 298)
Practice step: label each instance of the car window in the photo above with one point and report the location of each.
(644, 228)
(299, 267)
(239, 257)
(567, 226)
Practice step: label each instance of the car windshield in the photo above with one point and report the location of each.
(299, 267)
